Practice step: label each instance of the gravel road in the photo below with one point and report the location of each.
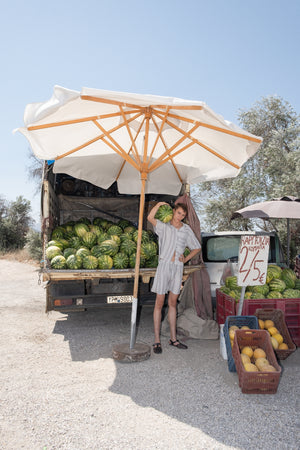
(61, 389)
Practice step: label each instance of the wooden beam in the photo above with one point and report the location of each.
(159, 131)
(81, 120)
(135, 151)
(196, 141)
(110, 102)
(213, 127)
(179, 107)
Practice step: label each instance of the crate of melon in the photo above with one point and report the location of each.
(273, 320)
(256, 362)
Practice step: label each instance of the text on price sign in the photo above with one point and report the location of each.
(253, 260)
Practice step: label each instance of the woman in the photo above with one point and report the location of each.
(173, 238)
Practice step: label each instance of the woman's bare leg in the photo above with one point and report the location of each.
(159, 303)
(172, 313)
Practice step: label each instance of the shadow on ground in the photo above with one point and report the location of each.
(193, 386)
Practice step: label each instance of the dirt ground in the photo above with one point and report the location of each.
(61, 388)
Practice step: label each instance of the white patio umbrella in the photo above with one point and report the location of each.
(147, 143)
(286, 207)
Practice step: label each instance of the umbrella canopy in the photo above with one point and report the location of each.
(147, 143)
(287, 207)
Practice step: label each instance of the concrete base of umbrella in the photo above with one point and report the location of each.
(123, 352)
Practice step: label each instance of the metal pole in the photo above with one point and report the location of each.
(288, 242)
(240, 309)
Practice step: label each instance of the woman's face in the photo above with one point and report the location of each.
(178, 214)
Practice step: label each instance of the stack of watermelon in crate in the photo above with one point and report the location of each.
(281, 291)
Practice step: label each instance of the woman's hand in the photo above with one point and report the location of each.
(182, 259)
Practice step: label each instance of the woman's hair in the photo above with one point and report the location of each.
(182, 206)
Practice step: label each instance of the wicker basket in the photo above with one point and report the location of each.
(239, 321)
(256, 382)
(278, 318)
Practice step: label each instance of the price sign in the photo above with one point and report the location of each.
(253, 260)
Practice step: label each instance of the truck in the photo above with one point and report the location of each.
(64, 199)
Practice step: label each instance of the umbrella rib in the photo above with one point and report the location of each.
(182, 107)
(168, 151)
(137, 156)
(80, 147)
(110, 102)
(213, 127)
(116, 147)
(151, 168)
(159, 130)
(137, 133)
(81, 120)
(196, 141)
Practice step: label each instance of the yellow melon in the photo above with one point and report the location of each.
(269, 323)
(249, 367)
(260, 362)
(274, 342)
(247, 351)
(245, 358)
(268, 368)
(259, 353)
(261, 324)
(272, 330)
(231, 334)
(245, 327)
(283, 346)
(278, 338)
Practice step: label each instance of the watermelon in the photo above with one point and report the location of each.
(132, 259)
(89, 239)
(69, 251)
(90, 262)
(277, 285)
(231, 282)
(128, 247)
(274, 270)
(63, 242)
(96, 251)
(68, 231)
(123, 223)
(164, 213)
(291, 293)
(256, 295)
(120, 261)
(102, 237)
(186, 252)
(75, 242)
(97, 221)
(96, 230)
(274, 294)
(130, 229)
(83, 252)
(152, 262)
(105, 262)
(74, 262)
(116, 238)
(56, 243)
(225, 290)
(124, 236)
(289, 277)
(145, 236)
(114, 229)
(84, 220)
(59, 262)
(57, 233)
(148, 250)
(261, 289)
(109, 247)
(297, 284)
(80, 229)
(53, 251)
(152, 236)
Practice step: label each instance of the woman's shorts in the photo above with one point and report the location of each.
(168, 277)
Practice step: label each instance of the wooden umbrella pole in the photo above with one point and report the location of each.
(137, 263)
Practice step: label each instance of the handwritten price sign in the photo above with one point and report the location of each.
(253, 260)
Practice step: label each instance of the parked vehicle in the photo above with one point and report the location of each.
(65, 199)
(220, 247)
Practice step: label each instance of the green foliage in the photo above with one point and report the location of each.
(14, 223)
(272, 172)
(34, 244)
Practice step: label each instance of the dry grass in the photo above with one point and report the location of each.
(20, 256)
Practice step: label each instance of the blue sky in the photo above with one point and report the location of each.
(228, 54)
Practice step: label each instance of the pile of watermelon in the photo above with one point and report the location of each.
(100, 244)
(280, 283)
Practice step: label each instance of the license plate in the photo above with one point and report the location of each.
(119, 299)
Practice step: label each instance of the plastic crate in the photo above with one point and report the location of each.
(240, 321)
(256, 382)
(289, 306)
(277, 316)
(226, 306)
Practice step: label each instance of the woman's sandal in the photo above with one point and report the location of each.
(157, 347)
(177, 344)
